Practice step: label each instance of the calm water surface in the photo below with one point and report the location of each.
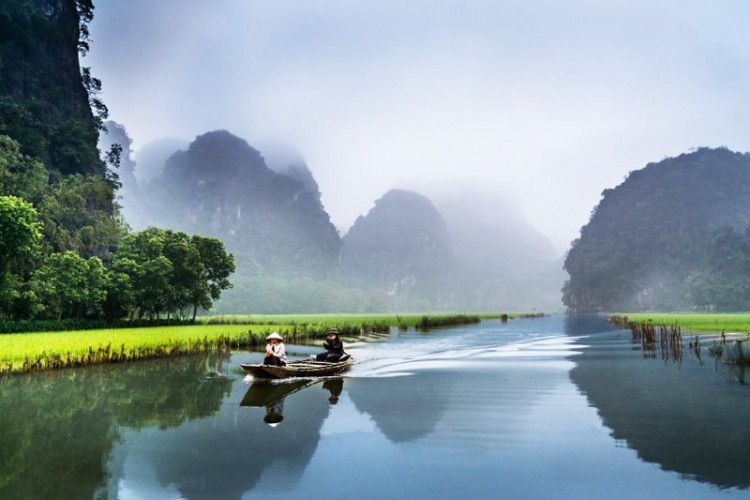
(537, 408)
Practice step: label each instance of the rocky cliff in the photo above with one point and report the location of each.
(45, 95)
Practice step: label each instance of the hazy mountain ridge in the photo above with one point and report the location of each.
(221, 186)
(401, 246)
(471, 253)
(662, 239)
(500, 258)
(649, 236)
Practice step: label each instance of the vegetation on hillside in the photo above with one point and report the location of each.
(64, 250)
(221, 186)
(672, 236)
(46, 98)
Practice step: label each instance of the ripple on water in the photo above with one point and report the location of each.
(452, 355)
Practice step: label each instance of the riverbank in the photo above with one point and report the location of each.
(695, 323)
(730, 333)
(26, 352)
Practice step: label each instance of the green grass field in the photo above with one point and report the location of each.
(21, 352)
(698, 322)
(45, 350)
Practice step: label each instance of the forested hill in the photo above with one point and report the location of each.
(221, 186)
(673, 236)
(48, 132)
(403, 255)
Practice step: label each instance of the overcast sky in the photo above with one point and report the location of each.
(545, 102)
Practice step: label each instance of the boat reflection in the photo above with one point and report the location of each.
(334, 387)
(271, 396)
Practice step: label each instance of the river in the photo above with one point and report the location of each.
(554, 407)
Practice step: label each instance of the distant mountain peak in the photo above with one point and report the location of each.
(216, 155)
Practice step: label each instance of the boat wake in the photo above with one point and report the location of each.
(452, 354)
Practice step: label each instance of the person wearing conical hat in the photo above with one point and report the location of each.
(275, 351)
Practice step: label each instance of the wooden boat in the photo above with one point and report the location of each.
(301, 368)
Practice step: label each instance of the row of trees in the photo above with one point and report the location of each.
(64, 255)
(159, 272)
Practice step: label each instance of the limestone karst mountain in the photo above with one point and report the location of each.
(221, 186)
(672, 236)
(400, 248)
(468, 253)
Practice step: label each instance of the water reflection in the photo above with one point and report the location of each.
(225, 456)
(404, 410)
(270, 395)
(58, 428)
(493, 402)
(683, 414)
(740, 373)
(334, 387)
(585, 324)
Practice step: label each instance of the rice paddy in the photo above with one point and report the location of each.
(24, 352)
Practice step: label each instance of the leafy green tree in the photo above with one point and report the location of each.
(20, 232)
(96, 288)
(120, 298)
(216, 267)
(20, 175)
(20, 243)
(168, 272)
(140, 256)
(18, 300)
(185, 281)
(70, 286)
(79, 216)
(60, 283)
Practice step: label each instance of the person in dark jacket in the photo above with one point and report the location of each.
(333, 346)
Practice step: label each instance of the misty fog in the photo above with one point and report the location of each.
(552, 102)
(406, 253)
(542, 105)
